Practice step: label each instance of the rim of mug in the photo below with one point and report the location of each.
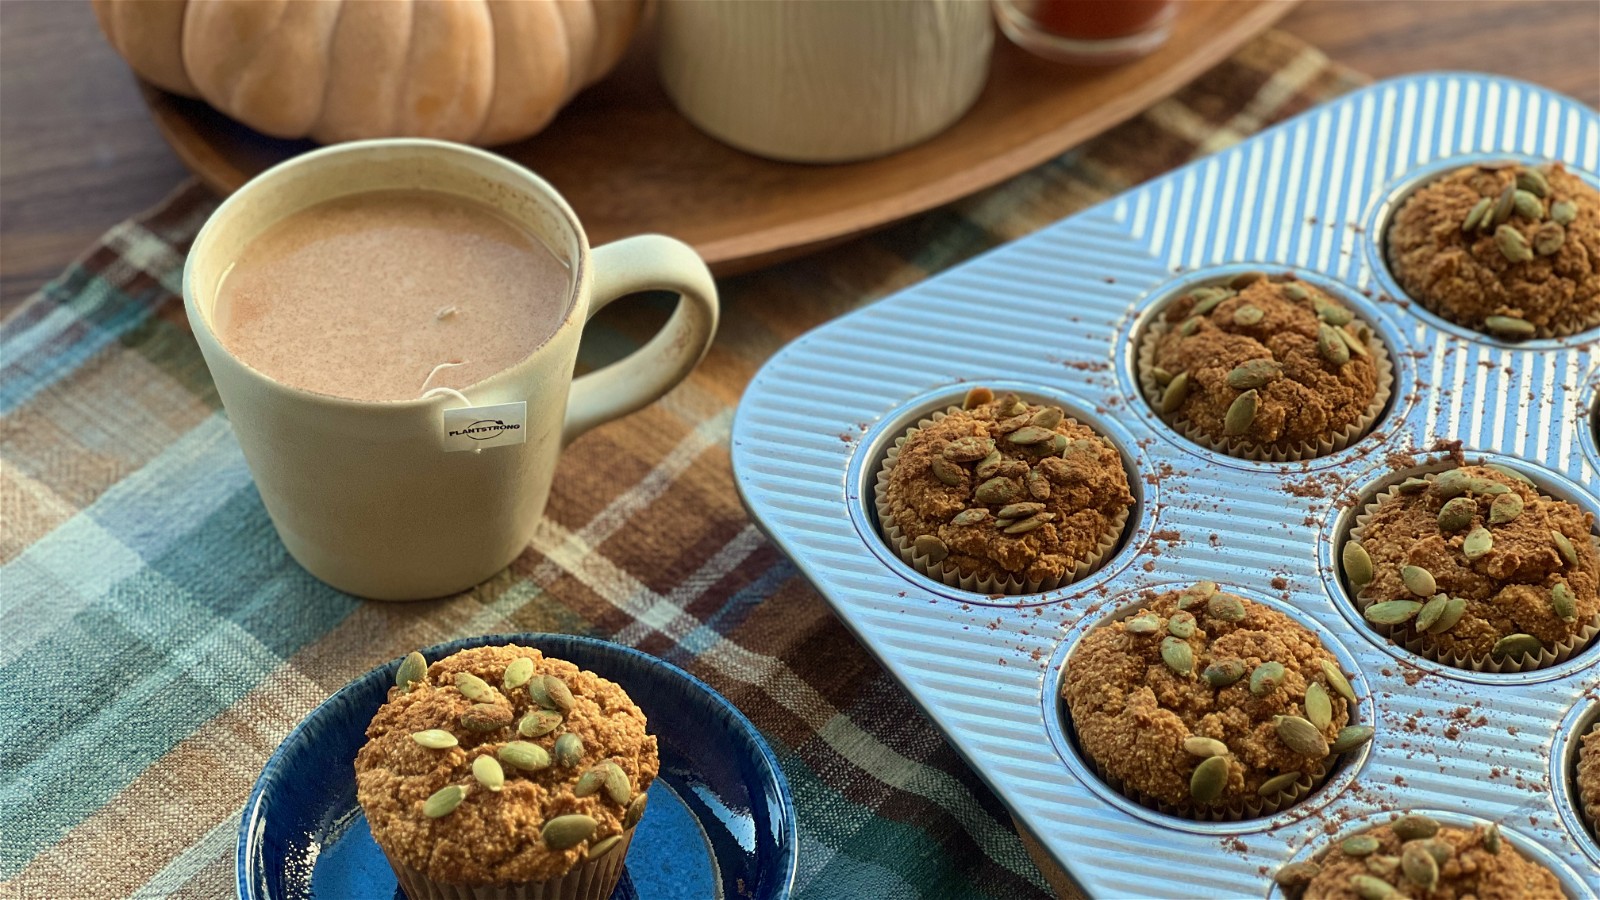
(549, 196)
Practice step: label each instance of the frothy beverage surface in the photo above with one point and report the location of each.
(381, 296)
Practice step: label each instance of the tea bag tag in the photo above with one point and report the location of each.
(482, 427)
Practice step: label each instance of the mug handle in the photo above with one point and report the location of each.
(649, 262)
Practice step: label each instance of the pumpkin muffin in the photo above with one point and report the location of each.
(500, 772)
(1416, 857)
(1265, 369)
(1003, 495)
(1589, 779)
(1208, 705)
(1503, 248)
(1473, 567)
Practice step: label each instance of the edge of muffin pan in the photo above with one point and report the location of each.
(1316, 845)
(1589, 411)
(1402, 392)
(1341, 518)
(1583, 717)
(1064, 739)
(1393, 195)
(874, 446)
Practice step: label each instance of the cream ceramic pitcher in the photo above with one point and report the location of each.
(378, 498)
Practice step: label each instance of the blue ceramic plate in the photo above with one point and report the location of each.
(721, 821)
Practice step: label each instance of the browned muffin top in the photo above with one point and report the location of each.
(1476, 562)
(1008, 489)
(1206, 699)
(1503, 248)
(479, 773)
(1415, 857)
(1269, 364)
(1589, 778)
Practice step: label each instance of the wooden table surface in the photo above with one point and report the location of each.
(78, 153)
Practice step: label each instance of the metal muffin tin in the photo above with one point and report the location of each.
(1055, 316)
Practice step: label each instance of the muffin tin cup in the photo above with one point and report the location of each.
(1353, 432)
(952, 575)
(1591, 821)
(1257, 809)
(1549, 656)
(590, 879)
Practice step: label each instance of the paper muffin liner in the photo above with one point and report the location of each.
(952, 574)
(590, 879)
(1583, 813)
(1246, 808)
(1548, 657)
(1382, 364)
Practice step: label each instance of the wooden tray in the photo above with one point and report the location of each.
(628, 163)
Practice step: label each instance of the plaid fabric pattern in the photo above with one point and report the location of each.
(159, 642)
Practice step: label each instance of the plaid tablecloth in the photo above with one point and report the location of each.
(156, 641)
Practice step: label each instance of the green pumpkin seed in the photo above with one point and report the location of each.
(1357, 564)
(1296, 292)
(1279, 784)
(1350, 737)
(1210, 778)
(1352, 343)
(929, 546)
(537, 693)
(1206, 299)
(1441, 851)
(1048, 418)
(1028, 524)
(1513, 246)
(1476, 215)
(1162, 376)
(1253, 374)
(538, 723)
(601, 848)
(1383, 865)
(589, 783)
(967, 449)
(976, 397)
(525, 756)
(617, 785)
(1504, 206)
(1177, 392)
(1225, 607)
(1037, 484)
(1331, 347)
(1533, 181)
(1418, 581)
(474, 688)
(1223, 672)
(1509, 327)
(947, 472)
(568, 750)
(1029, 435)
(1359, 845)
(997, 491)
(1414, 827)
(488, 772)
(1505, 508)
(1457, 514)
(970, 517)
(1266, 678)
(1241, 413)
(1548, 240)
(1453, 611)
(1412, 486)
(1178, 656)
(1332, 313)
(1143, 623)
(1563, 603)
(1564, 547)
(1244, 279)
(444, 801)
(435, 738)
(1369, 888)
(517, 673)
(1478, 542)
(1248, 315)
(1296, 874)
(1189, 327)
(1431, 611)
(1301, 736)
(559, 693)
(1319, 707)
(1392, 612)
(1563, 212)
(635, 811)
(484, 717)
(1181, 625)
(413, 670)
(564, 832)
(1491, 838)
(1336, 680)
(1199, 592)
(1508, 471)
(1020, 510)
(990, 465)
(1204, 747)
(1517, 645)
(1527, 205)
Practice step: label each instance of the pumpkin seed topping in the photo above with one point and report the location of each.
(997, 490)
(967, 449)
(601, 848)
(1301, 736)
(1527, 205)
(1564, 547)
(483, 717)
(1513, 246)
(1368, 887)
(1431, 611)
(1253, 374)
(435, 738)
(1207, 299)
(1189, 327)
(976, 397)
(1198, 592)
(1017, 420)
(444, 801)
(1392, 612)
(1563, 603)
(1241, 413)
(1476, 216)
(1359, 845)
(1266, 678)
(1296, 292)
(538, 723)
(517, 673)
(1319, 707)
(1441, 851)
(589, 783)
(946, 471)
(635, 811)
(1515, 645)
(1178, 656)
(1504, 206)
(1509, 327)
(989, 465)
(1248, 315)
(1332, 313)
(568, 750)
(1478, 542)
(1175, 394)
(1350, 737)
(1030, 434)
(1331, 346)
(1354, 344)
(525, 756)
(564, 832)
(1209, 780)
(1223, 672)
(1548, 240)
(1181, 624)
(1028, 524)
(616, 783)
(1037, 484)
(1048, 418)
(1418, 581)
(1458, 513)
(1357, 564)
(1244, 279)
(559, 693)
(929, 546)
(1162, 376)
(1533, 181)
(1225, 607)
(1505, 508)
(1278, 784)
(1414, 827)
(1336, 680)
(1491, 838)
(1020, 510)
(1507, 470)
(489, 774)
(1563, 212)
(1296, 874)
(413, 670)
(970, 517)
(1204, 747)
(1383, 865)
(1412, 486)
(474, 688)
(1453, 611)
(1143, 623)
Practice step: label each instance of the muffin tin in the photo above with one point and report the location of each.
(1055, 317)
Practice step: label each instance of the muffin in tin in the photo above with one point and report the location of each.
(1588, 776)
(1208, 705)
(1475, 568)
(498, 772)
(1416, 856)
(1265, 368)
(1504, 248)
(1003, 496)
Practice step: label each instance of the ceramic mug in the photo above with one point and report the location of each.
(371, 497)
